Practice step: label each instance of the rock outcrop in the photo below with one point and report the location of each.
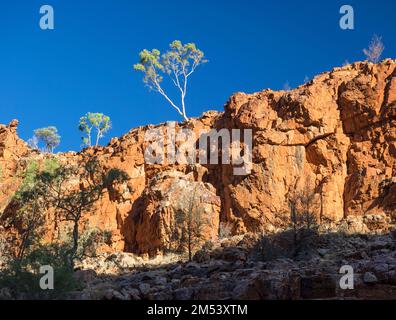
(335, 136)
(12, 152)
(154, 217)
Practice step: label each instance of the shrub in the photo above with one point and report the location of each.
(304, 230)
(88, 243)
(33, 143)
(303, 221)
(188, 231)
(375, 49)
(225, 230)
(5, 249)
(22, 277)
(266, 249)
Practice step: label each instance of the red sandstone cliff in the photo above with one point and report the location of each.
(335, 135)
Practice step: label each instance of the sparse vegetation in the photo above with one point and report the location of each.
(22, 277)
(48, 136)
(89, 241)
(48, 185)
(190, 222)
(302, 233)
(374, 51)
(31, 203)
(225, 230)
(303, 220)
(179, 63)
(94, 121)
(267, 249)
(72, 202)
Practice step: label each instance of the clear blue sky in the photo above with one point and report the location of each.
(85, 64)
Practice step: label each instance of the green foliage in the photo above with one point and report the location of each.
(179, 62)
(30, 202)
(150, 64)
(22, 277)
(29, 179)
(98, 121)
(114, 175)
(49, 136)
(47, 185)
(89, 241)
(72, 203)
(51, 165)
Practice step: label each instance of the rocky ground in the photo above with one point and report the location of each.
(233, 269)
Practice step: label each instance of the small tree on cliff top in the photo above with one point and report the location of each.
(179, 63)
(94, 121)
(49, 136)
(374, 51)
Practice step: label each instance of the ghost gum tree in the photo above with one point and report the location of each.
(178, 63)
(49, 137)
(94, 121)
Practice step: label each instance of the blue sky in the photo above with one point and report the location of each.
(85, 64)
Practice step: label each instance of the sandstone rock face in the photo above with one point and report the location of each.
(335, 136)
(153, 219)
(12, 152)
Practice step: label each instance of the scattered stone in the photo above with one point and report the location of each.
(183, 294)
(144, 288)
(370, 278)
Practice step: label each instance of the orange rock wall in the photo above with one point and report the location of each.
(335, 135)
